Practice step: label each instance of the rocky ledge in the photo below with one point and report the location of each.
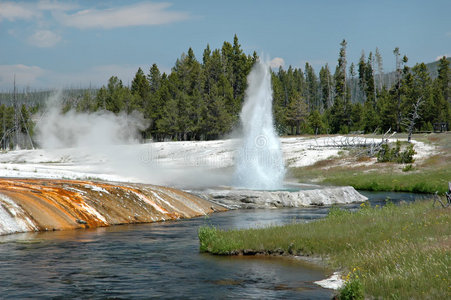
(46, 204)
(240, 198)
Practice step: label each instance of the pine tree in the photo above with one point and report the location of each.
(422, 85)
(370, 90)
(362, 77)
(206, 55)
(340, 73)
(352, 83)
(442, 93)
(297, 113)
(240, 70)
(370, 120)
(444, 78)
(158, 95)
(315, 122)
(154, 78)
(168, 124)
(279, 104)
(101, 98)
(341, 109)
(86, 104)
(140, 89)
(311, 92)
(326, 84)
(356, 116)
(387, 110)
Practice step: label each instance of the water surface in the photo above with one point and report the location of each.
(159, 260)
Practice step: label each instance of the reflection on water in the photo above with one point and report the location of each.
(159, 260)
(153, 260)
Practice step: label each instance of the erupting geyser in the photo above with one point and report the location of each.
(259, 163)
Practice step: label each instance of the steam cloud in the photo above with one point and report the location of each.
(98, 129)
(105, 143)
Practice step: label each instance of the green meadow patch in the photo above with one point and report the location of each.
(398, 252)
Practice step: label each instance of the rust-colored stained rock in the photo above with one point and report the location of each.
(45, 204)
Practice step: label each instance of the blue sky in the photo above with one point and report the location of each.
(51, 44)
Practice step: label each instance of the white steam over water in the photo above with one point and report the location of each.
(259, 163)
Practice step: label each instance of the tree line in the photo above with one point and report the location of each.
(201, 100)
(15, 132)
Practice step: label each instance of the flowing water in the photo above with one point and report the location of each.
(153, 260)
(259, 162)
(160, 260)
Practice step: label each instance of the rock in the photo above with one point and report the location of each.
(54, 204)
(235, 199)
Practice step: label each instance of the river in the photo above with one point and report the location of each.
(159, 260)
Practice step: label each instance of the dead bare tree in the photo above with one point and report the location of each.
(380, 68)
(368, 146)
(412, 118)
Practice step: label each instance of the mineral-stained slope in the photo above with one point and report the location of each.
(44, 204)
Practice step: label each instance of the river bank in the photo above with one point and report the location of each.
(43, 204)
(430, 171)
(155, 260)
(395, 251)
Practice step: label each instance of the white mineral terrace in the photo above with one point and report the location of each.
(166, 163)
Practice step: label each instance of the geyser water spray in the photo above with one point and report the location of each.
(259, 162)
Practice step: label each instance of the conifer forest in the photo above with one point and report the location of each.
(200, 99)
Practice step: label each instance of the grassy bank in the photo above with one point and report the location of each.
(426, 175)
(391, 252)
(426, 180)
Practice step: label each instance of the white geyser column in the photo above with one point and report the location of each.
(259, 162)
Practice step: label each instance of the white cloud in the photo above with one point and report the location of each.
(46, 13)
(44, 38)
(25, 75)
(277, 62)
(14, 11)
(132, 15)
(55, 5)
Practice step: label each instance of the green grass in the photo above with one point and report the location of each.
(424, 180)
(424, 176)
(395, 252)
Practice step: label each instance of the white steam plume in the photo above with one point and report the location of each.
(103, 143)
(97, 129)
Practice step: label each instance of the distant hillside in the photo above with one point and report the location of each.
(38, 98)
(433, 67)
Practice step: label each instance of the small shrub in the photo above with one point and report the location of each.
(384, 155)
(353, 289)
(406, 156)
(387, 154)
(395, 151)
(407, 168)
